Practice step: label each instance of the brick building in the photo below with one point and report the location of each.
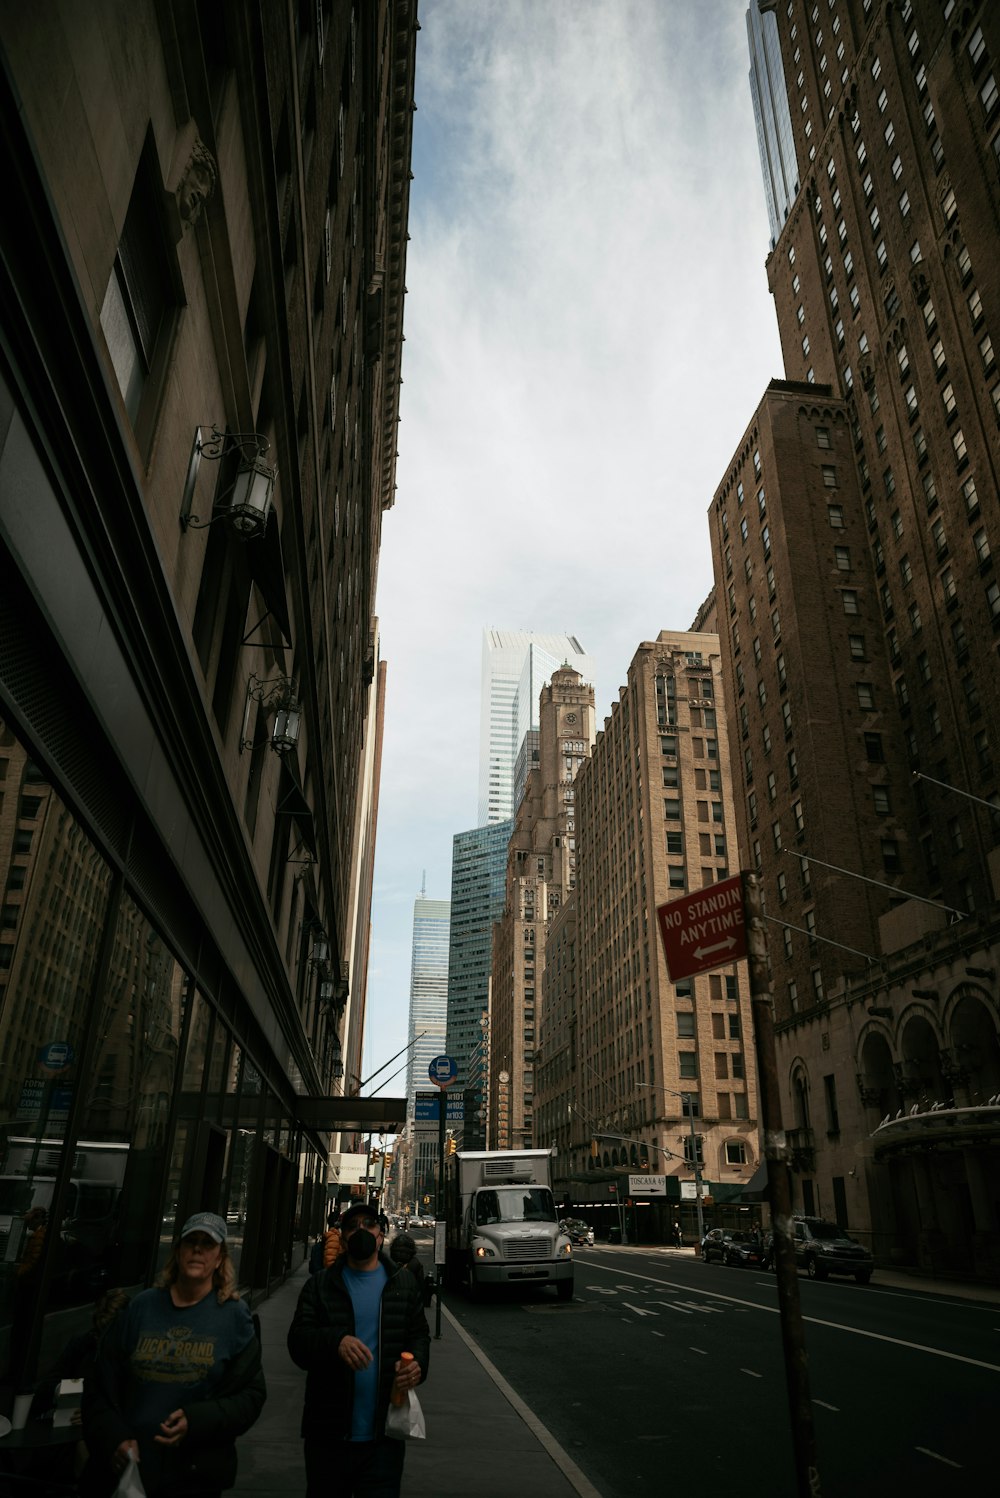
(853, 541)
(541, 875)
(654, 819)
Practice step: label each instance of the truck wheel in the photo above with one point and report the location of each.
(815, 1269)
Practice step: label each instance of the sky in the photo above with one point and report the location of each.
(588, 334)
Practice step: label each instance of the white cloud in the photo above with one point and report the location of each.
(588, 333)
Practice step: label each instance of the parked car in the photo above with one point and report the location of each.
(716, 1244)
(577, 1231)
(824, 1248)
(745, 1251)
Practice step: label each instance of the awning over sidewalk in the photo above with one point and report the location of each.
(755, 1190)
(351, 1115)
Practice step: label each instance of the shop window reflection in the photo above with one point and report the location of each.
(54, 890)
(131, 1086)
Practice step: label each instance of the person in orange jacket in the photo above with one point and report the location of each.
(326, 1250)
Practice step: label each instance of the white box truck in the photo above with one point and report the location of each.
(502, 1225)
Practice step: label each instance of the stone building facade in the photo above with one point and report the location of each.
(541, 875)
(201, 298)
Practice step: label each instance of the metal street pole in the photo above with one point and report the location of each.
(779, 1188)
(440, 1218)
(688, 1098)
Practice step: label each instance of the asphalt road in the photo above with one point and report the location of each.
(667, 1375)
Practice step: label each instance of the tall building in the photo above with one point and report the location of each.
(428, 1023)
(427, 1034)
(854, 537)
(516, 665)
(770, 111)
(541, 873)
(201, 299)
(478, 870)
(635, 1056)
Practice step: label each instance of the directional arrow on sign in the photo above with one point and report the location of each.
(720, 946)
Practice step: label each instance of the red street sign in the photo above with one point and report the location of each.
(704, 930)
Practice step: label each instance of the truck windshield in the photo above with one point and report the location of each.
(515, 1204)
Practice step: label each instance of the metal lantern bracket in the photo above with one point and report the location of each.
(246, 504)
(280, 697)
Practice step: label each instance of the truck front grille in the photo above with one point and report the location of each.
(526, 1248)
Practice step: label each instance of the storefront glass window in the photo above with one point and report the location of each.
(55, 889)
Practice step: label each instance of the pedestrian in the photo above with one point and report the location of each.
(327, 1247)
(403, 1251)
(677, 1235)
(351, 1326)
(177, 1376)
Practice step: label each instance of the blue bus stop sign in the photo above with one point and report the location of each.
(443, 1070)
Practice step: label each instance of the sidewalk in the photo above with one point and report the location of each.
(480, 1437)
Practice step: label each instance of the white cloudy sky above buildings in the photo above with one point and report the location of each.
(588, 332)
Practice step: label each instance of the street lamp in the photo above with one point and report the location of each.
(696, 1163)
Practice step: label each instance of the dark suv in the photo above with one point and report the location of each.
(824, 1248)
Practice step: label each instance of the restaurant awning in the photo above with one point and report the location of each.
(351, 1115)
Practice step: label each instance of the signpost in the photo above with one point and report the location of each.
(712, 928)
(442, 1071)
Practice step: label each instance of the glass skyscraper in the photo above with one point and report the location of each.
(478, 871)
(774, 124)
(516, 665)
(428, 991)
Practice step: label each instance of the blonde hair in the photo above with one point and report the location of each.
(223, 1278)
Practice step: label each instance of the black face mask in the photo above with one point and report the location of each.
(362, 1245)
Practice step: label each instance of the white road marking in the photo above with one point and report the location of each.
(639, 1310)
(751, 1373)
(823, 1405)
(601, 1290)
(700, 1350)
(838, 1326)
(925, 1450)
(656, 1333)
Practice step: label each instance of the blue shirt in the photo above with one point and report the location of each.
(365, 1287)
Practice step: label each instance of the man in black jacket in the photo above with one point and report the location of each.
(352, 1324)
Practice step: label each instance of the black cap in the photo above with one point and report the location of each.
(359, 1209)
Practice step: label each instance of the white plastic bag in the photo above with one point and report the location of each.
(130, 1483)
(405, 1422)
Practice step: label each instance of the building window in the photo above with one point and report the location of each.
(850, 601)
(136, 315)
(873, 748)
(687, 1063)
(857, 647)
(843, 558)
(880, 795)
(866, 695)
(685, 1025)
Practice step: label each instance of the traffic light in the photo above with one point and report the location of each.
(595, 1149)
(451, 1146)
